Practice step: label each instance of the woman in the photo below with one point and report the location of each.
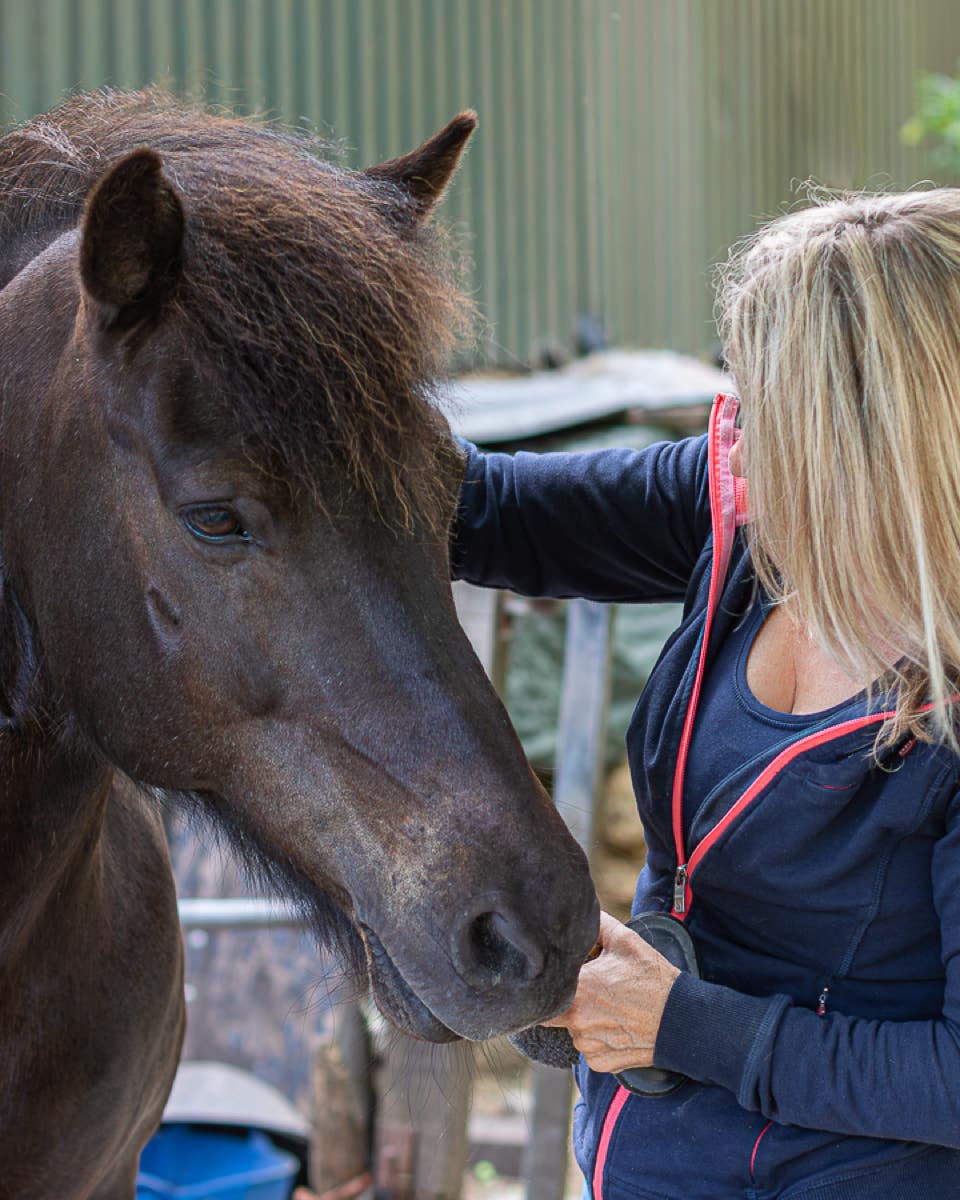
(795, 752)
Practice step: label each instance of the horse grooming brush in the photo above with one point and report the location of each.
(554, 1046)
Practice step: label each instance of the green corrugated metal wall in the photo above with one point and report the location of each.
(623, 143)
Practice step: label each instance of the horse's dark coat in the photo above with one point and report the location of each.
(224, 496)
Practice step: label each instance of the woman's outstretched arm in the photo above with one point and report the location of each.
(615, 525)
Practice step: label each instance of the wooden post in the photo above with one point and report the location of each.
(423, 1091)
(423, 1094)
(481, 614)
(583, 708)
(341, 1093)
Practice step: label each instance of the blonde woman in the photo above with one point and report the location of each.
(795, 752)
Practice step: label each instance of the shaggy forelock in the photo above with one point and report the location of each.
(313, 298)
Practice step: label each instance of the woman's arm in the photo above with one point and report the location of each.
(897, 1079)
(893, 1079)
(613, 525)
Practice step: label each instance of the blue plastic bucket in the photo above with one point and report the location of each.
(186, 1162)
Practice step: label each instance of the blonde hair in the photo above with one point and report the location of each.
(841, 326)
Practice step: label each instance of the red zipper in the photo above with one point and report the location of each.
(756, 1146)
(723, 414)
(724, 517)
(620, 1097)
(727, 510)
(766, 776)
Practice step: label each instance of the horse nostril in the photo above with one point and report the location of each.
(494, 948)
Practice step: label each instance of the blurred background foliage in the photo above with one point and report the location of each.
(936, 123)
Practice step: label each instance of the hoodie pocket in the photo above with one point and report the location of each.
(621, 1187)
(837, 779)
(930, 1172)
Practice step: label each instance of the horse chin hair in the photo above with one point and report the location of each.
(266, 874)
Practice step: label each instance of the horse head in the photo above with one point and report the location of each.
(225, 498)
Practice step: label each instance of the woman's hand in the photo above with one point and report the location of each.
(615, 1015)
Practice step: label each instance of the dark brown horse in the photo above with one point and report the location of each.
(224, 504)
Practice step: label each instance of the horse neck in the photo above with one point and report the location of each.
(52, 804)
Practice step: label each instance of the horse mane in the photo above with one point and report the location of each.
(316, 309)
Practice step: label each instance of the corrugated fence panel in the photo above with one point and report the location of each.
(624, 144)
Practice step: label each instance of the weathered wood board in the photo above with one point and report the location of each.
(493, 409)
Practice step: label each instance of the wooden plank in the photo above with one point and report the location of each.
(583, 704)
(342, 1101)
(423, 1095)
(480, 611)
(603, 384)
(423, 1091)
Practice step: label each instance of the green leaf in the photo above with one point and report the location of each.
(913, 132)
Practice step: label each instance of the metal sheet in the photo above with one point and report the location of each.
(623, 144)
(218, 1094)
(490, 410)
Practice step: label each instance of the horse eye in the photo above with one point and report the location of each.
(213, 523)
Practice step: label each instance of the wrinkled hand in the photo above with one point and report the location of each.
(621, 995)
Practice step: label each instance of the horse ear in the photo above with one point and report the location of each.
(425, 172)
(132, 239)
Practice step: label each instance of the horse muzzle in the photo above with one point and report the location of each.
(500, 973)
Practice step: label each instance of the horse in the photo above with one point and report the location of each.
(226, 491)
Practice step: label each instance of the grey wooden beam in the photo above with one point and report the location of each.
(424, 1090)
(583, 704)
(602, 385)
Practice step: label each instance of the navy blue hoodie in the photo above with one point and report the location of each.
(822, 889)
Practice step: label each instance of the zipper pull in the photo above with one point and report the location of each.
(680, 889)
(822, 1002)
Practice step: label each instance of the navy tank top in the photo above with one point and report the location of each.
(733, 729)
